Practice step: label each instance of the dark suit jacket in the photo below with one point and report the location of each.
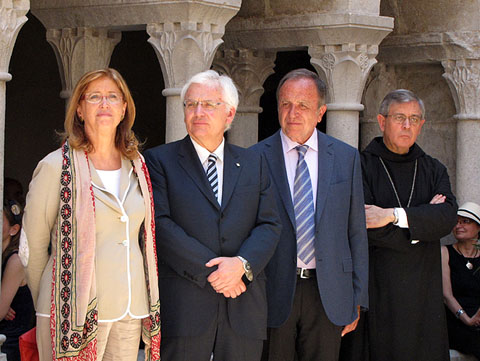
(341, 249)
(193, 228)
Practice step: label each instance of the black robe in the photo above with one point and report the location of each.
(406, 318)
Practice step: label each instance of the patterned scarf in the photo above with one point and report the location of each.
(73, 312)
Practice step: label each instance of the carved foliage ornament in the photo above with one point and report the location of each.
(11, 20)
(172, 46)
(248, 71)
(98, 47)
(464, 79)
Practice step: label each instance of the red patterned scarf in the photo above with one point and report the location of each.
(73, 312)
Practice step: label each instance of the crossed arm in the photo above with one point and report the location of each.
(377, 217)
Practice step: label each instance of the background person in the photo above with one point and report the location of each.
(17, 313)
(461, 282)
(90, 201)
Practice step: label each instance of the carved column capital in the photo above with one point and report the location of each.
(12, 18)
(463, 78)
(249, 69)
(79, 50)
(184, 49)
(185, 46)
(345, 68)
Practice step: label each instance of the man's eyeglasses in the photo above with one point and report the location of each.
(97, 98)
(401, 118)
(205, 104)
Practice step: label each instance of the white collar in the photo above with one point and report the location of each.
(203, 153)
(289, 144)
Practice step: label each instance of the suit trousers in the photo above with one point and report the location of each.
(218, 339)
(308, 334)
(119, 340)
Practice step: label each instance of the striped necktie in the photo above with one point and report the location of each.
(212, 173)
(304, 209)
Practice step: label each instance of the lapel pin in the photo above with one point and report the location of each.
(237, 164)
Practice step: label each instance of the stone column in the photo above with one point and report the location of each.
(463, 78)
(12, 18)
(381, 81)
(183, 49)
(249, 69)
(345, 68)
(79, 50)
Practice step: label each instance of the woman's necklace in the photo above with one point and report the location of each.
(469, 264)
(393, 185)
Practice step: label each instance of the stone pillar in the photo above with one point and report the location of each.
(345, 68)
(463, 78)
(249, 69)
(381, 81)
(12, 18)
(183, 50)
(79, 50)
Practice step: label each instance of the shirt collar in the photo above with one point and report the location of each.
(203, 153)
(289, 144)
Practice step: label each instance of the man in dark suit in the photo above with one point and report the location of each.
(317, 278)
(217, 227)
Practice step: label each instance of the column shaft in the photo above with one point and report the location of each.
(468, 161)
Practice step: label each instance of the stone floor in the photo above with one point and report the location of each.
(454, 356)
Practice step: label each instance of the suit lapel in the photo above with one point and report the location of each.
(189, 161)
(325, 168)
(232, 168)
(276, 162)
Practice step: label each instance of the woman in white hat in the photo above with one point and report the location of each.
(461, 281)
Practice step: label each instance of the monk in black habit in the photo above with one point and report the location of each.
(409, 207)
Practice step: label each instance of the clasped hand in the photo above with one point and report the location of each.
(473, 321)
(227, 278)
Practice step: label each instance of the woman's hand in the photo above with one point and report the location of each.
(473, 321)
(10, 316)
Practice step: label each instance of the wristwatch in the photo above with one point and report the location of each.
(248, 276)
(459, 313)
(395, 215)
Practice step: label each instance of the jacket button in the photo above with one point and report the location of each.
(124, 219)
(125, 243)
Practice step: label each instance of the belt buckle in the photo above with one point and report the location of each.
(302, 273)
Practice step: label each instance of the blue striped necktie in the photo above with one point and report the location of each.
(304, 209)
(212, 174)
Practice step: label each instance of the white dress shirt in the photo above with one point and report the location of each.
(290, 155)
(203, 154)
